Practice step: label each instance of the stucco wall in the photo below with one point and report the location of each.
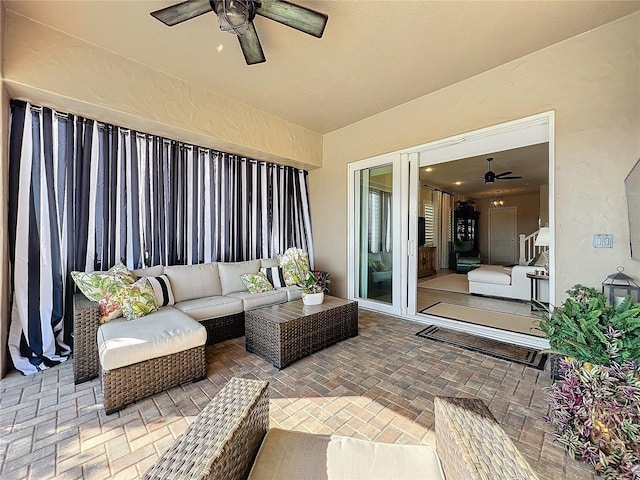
(46, 66)
(591, 81)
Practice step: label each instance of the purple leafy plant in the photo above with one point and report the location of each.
(595, 412)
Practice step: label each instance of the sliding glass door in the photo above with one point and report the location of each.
(375, 245)
(377, 273)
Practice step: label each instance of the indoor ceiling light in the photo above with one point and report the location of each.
(458, 183)
(498, 202)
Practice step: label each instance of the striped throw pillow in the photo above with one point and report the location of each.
(275, 276)
(162, 290)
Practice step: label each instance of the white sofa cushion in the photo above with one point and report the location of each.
(257, 300)
(154, 271)
(291, 454)
(193, 281)
(493, 274)
(210, 307)
(293, 292)
(124, 342)
(268, 262)
(230, 281)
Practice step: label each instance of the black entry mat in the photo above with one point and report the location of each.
(506, 351)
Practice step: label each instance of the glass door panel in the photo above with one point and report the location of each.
(375, 233)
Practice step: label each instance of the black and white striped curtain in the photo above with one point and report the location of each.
(84, 196)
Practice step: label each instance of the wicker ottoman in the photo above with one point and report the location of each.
(284, 333)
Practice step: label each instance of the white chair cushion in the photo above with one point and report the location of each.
(193, 281)
(154, 271)
(257, 300)
(124, 342)
(293, 292)
(210, 307)
(495, 275)
(230, 281)
(268, 262)
(290, 454)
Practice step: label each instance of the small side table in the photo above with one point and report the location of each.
(536, 278)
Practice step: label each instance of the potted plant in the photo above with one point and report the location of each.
(587, 329)
(314, 287)
(594, 404)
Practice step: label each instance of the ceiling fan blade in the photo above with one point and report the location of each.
(508, 178)
(294, 16)
(251, 48)
(182, 12)
(503, 174)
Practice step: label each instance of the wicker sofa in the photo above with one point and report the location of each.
(230, 440)
(167, 347)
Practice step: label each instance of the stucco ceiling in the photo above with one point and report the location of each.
(374, 54)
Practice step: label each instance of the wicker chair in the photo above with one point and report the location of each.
(223, 441)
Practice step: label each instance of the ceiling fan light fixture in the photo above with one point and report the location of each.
(234, 16)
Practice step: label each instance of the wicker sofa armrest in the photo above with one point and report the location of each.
(86, 321)
(223, 440)
(472, 445)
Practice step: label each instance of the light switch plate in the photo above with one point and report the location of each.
(603, 240)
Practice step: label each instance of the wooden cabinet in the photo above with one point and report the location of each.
(426, 261)
(466, 224)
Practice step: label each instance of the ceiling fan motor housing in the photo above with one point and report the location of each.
(489, 177)
(234, 16)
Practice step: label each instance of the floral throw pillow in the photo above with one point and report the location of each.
(138, 299)
(295, 265)
(256, 282)
(105, 288)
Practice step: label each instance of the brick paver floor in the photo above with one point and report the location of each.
(379, 386)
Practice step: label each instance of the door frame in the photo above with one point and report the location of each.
(530, 130)
(353, 233)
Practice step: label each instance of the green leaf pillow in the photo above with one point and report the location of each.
(105, 288)
(138, 299)
(295, 265)
(256, 282)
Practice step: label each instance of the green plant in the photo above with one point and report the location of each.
(315, 283)
(587, 329)
(594, 411)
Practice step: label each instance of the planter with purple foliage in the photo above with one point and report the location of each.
(595, 412)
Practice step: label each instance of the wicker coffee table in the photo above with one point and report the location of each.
(284, 333)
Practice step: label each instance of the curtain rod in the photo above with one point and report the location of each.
(166, 141)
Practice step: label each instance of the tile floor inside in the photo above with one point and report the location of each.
(379, 386)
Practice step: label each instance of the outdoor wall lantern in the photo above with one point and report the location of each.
(619, 285)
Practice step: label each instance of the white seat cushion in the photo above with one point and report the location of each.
(124, 342)
(495, 275)
(210, 307)
(286, 454)
(262, 299)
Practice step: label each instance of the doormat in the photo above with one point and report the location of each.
(505, 351)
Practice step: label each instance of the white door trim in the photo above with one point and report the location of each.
(529, 130)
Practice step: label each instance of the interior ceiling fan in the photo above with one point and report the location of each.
(236, 16)
(491, 177)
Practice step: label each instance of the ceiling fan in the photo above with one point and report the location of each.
(491, 177)
(236, 16)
